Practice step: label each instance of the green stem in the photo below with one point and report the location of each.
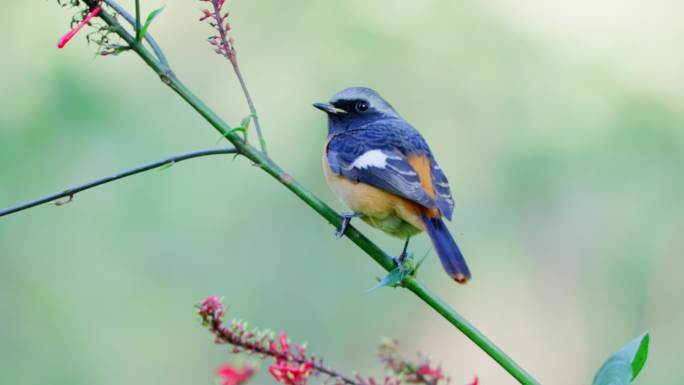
(470, 331)
(137, 21)
(70, 192)
(266, 164)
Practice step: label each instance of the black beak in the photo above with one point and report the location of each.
(329, 109)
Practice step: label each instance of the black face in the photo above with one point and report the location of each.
(351, 113)
(354, 107)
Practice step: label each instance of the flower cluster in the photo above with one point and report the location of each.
(284, 370)
(218, 19)
(421, 372)
(292, 365)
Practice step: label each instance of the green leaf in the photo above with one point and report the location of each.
(624, 366)
(239, 129)
(148, 22)
(392, 279)
(232, 131)
(415, 269)
(165, 166)
(246, 120)
(119, 50)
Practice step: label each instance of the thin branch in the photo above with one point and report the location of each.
(70, 192)
(266, 164)
(227, 49)
(414, 373)
(148, 37)
(252, 108)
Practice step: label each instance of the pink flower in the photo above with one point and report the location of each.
(69, 35)
(284, 345)
(427, 370)
(211, 307)
(290, 374)
(231, 375)
(205, 15)
(285, 371)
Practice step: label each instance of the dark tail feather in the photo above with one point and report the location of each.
(446, 248)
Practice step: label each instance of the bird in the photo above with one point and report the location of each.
(382, 168)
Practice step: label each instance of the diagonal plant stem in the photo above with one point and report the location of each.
(270, 167)
(70, 192)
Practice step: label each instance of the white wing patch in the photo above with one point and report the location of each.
(372, 158)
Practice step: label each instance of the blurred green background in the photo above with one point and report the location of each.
(558, 123)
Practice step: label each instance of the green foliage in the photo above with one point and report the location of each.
(393, 278)
(165, 166)
(246, 120)
(624, 366)
(143, 30)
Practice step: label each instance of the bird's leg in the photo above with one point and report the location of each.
(399, 261)
(346, 218)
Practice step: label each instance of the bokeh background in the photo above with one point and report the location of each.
(559, 125)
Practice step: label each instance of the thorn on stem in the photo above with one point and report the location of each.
(62, 202)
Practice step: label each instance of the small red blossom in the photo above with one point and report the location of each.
(218, 19)
(426, 370)
(69, 35)
(206, 14)
(211, 307)
(290, 374)
(232, 375)
(284, 345)
(475, 382)
(284, 370)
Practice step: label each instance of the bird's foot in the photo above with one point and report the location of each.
(403, 262)
(346, 218)
(396, 277)
(405, 268)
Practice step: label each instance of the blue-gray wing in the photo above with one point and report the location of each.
(377, 164)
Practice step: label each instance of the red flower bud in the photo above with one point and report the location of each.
(69, 35)
(231, 375)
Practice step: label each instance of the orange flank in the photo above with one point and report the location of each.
(421, 165)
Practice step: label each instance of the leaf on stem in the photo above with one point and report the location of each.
(240, 129)
(415, 269)
(148, 22)
(246, 120)
(393, 278)
(624, 366)
(166, 166)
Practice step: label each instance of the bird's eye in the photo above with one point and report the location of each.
(361, 106)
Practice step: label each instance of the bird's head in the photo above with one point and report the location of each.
(354, 107)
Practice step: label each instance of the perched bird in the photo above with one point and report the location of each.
(382, 168)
